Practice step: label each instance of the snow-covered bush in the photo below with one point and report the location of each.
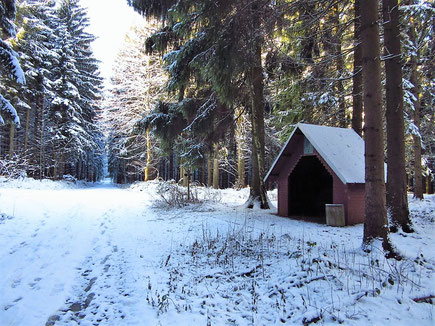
(14, 167)
(174, 195)
(69, 178)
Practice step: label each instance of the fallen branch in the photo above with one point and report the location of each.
(249, 273)
(426, 299)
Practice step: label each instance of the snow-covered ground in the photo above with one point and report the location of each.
(105, 255)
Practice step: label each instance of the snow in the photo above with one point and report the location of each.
(107, 255)
(341, 148)
(18, 72)
(6, 106)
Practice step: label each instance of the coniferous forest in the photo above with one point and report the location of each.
(242, 162)
(209, 91)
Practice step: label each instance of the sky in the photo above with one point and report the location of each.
(109, 21)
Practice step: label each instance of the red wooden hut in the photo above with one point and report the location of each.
(317, 166)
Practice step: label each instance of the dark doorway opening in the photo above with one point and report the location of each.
(310, 188)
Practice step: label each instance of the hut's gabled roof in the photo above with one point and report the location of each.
(341, 148)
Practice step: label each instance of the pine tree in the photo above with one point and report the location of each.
(35, 47)
(419, 98)
(76, 87)
(376, 223)
(9, 58)
(137, 83)
(357, 111)
(220, 50)
(397, 199)
(60, 135)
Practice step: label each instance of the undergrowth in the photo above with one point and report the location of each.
(173, 195)
(242, 277)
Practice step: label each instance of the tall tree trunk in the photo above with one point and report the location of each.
(171, 166)
(418, 175)
(240, 168)
(55, 165)
(210, 172)
(11, 139)
(26, 131)
(357, 113)
(376, 223)
(397, 200)
(148, 161)
(339, 65)
(258, 189)
(61, 166)
(239, 149)
(216, 170)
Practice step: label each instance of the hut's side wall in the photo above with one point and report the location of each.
(283, 197)
(339, 189)
(296, 148)
(356, 203)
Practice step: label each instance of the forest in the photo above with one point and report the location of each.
(195, 184)
(208, 92)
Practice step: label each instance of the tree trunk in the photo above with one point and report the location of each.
(41, 137)
(239, 149)
(240, 168)
(357, 113)
(55, 165)
(397, 200)
(26, 131)
(428, 183)
(148, 162)
(181, 175)
(11, 139)
(418, 178)
(61, 167)
(376, 223)
(337, 44)
(258, 189)
(418, 174)
(171, 166)
(210, 172)
(216, 172)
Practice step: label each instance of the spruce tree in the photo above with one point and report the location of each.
(9, 64)
(219, 45)
(376, 223)
(397, 199)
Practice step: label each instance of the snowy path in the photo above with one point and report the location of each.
(74, 253)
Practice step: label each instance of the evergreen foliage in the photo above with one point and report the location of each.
(137, 82)
(9, 64)
(58, 103)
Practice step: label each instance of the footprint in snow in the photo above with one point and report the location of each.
(9, 306)
(33, 285)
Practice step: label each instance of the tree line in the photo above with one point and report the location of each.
(49, 127)
(262, 66)
(210, 89)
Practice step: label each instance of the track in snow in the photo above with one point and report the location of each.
(71, 256)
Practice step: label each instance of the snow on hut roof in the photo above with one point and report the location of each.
(341, 148)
